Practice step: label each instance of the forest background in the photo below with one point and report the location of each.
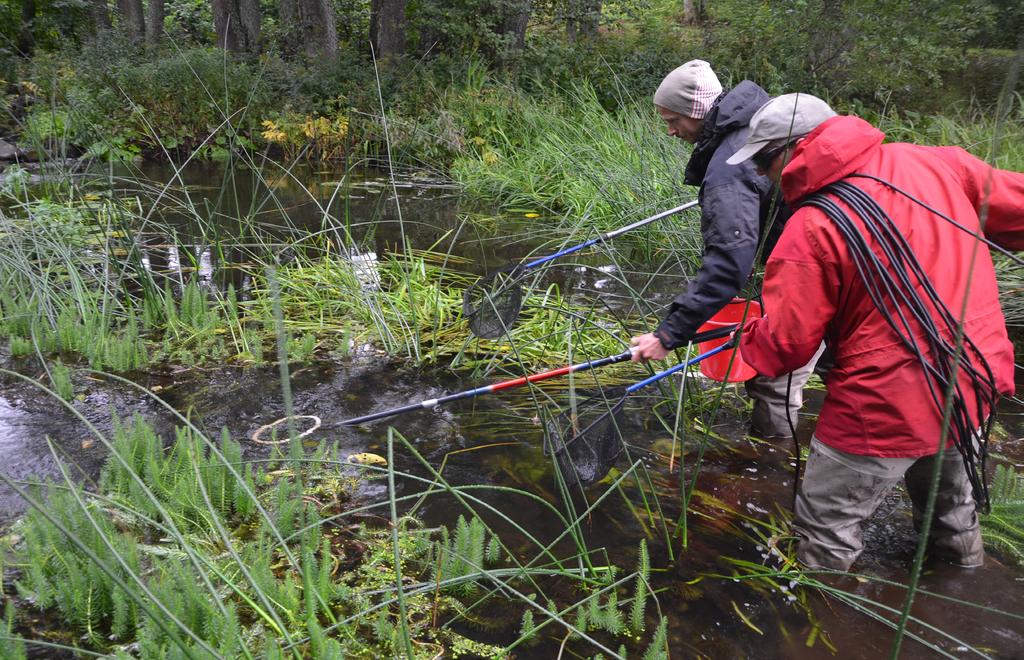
(159, 78)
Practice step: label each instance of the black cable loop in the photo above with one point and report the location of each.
(899, 270)
(894, 232)
(851, 235)
(959, 420)
(950, 322)
(891, 281)
(859, 258)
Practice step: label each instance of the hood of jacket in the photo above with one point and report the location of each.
(731, 111)
(837, 148)
(738, 106)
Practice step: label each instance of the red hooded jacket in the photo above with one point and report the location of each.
(878, 402)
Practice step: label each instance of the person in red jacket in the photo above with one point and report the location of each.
(882, 418)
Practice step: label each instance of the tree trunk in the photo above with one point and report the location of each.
(155, 22)
(582, 19)
(387, 28)
(591, 18)
(250, 19)
(225, 25)
(516, 23)
(133, 21)
(237, 24)
(689, 12)
(26, 39)
(322, 34)
(100, 14)
(309, 26)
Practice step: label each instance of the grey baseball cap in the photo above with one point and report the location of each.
(780, 121)
(689, 89)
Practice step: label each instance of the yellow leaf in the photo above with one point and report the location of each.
(366, 458)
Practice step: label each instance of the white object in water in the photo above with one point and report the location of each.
(365, 268)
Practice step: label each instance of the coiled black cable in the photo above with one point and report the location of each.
(895, 281)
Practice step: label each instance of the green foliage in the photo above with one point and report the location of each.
(54, 23)
(1003, 527)
(641, 590)
(619, 64)
(1004, 27)
(137, 106)
(989, 136)
(11, 646)
(658, 648)
(301, 348)
(223, 601)
(60, 377)
(464, 27)
(527, 628)
(189, 21)
(869, 50)
(177, 478)
(188, 601)
(60, 575)
(572, 155)
(20, 347)
(464, 554)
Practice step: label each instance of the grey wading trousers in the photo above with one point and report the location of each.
(840, 491)
(769, 394)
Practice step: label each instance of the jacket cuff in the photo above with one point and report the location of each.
(666, 338)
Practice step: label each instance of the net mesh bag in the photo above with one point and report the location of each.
(587, 441)
(492, 305)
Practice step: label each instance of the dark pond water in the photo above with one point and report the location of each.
(496, 440)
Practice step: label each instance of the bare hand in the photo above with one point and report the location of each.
(648, 347)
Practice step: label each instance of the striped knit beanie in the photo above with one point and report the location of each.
(689, 90)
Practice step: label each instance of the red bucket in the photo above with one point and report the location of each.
(717, 367)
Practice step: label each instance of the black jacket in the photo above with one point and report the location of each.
(735, 203)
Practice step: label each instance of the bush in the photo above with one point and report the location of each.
(869, 51)
(618, 65)
(112, 103)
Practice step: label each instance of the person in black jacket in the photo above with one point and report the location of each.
(737, 207)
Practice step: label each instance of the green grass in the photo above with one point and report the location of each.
(567, 155)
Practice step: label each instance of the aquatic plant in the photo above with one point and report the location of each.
(11, 646)
(464, 553)
(1003, 527)
(187, 550)
(60, 380)
(315, 137)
